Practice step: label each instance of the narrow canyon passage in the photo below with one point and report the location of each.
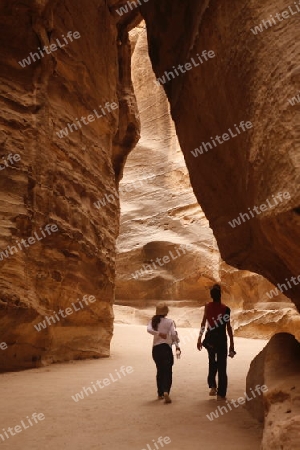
(125, 414)
(132, 131)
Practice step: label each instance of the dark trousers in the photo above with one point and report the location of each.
(164, 360)
(217, 363)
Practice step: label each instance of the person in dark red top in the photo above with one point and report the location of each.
(217, 316)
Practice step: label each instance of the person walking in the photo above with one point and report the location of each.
(217, 316)
(164, 335)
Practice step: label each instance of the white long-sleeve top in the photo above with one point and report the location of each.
(165, 326)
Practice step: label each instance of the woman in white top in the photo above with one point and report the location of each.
(165, 335)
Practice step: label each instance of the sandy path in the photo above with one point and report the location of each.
(125, 414)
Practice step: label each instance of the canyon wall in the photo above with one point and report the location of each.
(249, 79)
(277, 367)
(59, 176)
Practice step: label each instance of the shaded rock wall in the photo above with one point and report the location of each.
(277, 367)
(250, 79)
(57, 180)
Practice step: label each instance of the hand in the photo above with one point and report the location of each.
(162, 335)
(231, 352)
(199, 345)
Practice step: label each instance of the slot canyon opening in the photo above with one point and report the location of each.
(160, 217)
(70, 295)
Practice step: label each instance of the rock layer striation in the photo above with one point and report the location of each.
(250, 79)
(60, 176)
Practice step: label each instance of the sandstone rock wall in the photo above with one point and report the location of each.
(277, 367)
(250, 78)
(259, 309)
(57, 180)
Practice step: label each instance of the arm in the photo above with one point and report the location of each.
(174, 335)
(230, 334)
(229, 329)
(154, 332)
(202, 328)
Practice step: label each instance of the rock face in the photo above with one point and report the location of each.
(58, 179)
(277, 367)
(250, 79)
(259, 310)
(248, 290)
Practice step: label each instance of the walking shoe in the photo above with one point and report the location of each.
(220, 398)
(160, 397)
(167, 398)
(213, 391)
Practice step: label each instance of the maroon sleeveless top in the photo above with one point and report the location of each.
(213, 309)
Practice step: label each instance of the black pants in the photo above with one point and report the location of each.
(217, 363)
(164, 360)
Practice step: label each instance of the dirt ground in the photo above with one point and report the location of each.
(124, 413)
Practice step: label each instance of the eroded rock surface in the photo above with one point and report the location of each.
(277, 367)
(250, 78)
(58, 179)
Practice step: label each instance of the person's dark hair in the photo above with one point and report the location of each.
(215, 292)
(155, 321)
